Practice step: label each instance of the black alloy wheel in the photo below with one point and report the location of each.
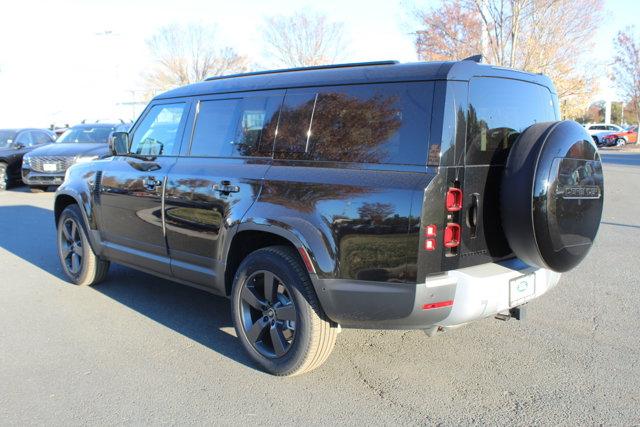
(277, 315)
(79, 262)
(268, 314)
(71, 247)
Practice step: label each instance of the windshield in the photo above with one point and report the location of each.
(86, 134)
(6, 138)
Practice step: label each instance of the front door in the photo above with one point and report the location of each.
(131, 190)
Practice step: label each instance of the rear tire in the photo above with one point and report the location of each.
(79, 263)
(620, 142)
(264, 320)
(4, 177)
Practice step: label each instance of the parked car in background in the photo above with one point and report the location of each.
(14, 144)
(617, 139)
(46, 166)
(600, 130)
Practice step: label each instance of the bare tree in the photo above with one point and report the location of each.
(303, 39)
(627, 67)
(189, 54)
(533, 35)
(451, 31)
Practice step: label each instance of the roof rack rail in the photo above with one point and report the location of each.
(314, 67)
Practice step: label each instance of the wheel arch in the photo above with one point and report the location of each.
(250, 237)
(66, 198)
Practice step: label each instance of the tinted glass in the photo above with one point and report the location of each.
(215, 126)
(499, 110)
(378, 123)
(6, 137)
(294, 125)
(86, 134)
(24, 138)
(256, 129)
(40, 138)
(158, 131)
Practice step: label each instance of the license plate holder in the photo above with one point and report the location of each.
(522, 289)
(49, 167)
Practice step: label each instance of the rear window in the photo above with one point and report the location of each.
(376, 123)
(499, 110)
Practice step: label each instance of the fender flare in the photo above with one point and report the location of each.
(87, 217)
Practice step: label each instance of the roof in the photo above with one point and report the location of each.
(383, 72)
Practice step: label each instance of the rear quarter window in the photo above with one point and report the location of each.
(375, 123)
(499, 110)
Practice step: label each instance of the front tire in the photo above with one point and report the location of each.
(276, 313)
(79, 263)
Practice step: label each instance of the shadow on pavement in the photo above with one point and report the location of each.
(191, 312)
(29, 233)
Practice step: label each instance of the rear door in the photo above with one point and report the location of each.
(217, 178)
(131, 189)
(499, 110)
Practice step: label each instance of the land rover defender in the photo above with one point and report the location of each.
(374, 195)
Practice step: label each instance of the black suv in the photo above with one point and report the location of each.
(82, 143)
(378, 195)
(14, 144)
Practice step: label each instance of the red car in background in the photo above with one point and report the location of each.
(629, 136)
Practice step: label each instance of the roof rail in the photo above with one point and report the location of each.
(314, 67)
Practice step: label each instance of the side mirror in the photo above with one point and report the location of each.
(18, 145)
(119, 143)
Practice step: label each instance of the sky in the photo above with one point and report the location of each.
(64, 61)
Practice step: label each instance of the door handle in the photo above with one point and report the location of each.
(150, 183)
(225, 187)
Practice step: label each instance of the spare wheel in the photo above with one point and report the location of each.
(551, 195)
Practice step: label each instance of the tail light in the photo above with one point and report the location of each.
(452, 235)
(430, 245)
(431, 230)
(454, 199)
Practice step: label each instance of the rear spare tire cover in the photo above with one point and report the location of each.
(551, 195)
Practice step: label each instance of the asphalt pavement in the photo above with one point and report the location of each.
(141, 350)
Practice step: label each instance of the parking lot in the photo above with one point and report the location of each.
(141, 350)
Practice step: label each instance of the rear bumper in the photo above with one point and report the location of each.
(30, 177)
(459, 297)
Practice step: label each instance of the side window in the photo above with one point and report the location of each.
(157, 133)
(24, 138)
(40, 138)
(214, 128)
(295, 125)
(256, 129)
(377, 123)
(499, 110)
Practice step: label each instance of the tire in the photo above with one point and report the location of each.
(551, 195)
(620, 142)
(4, 177)
(79, 263)
(306, 343)
(38, 188)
